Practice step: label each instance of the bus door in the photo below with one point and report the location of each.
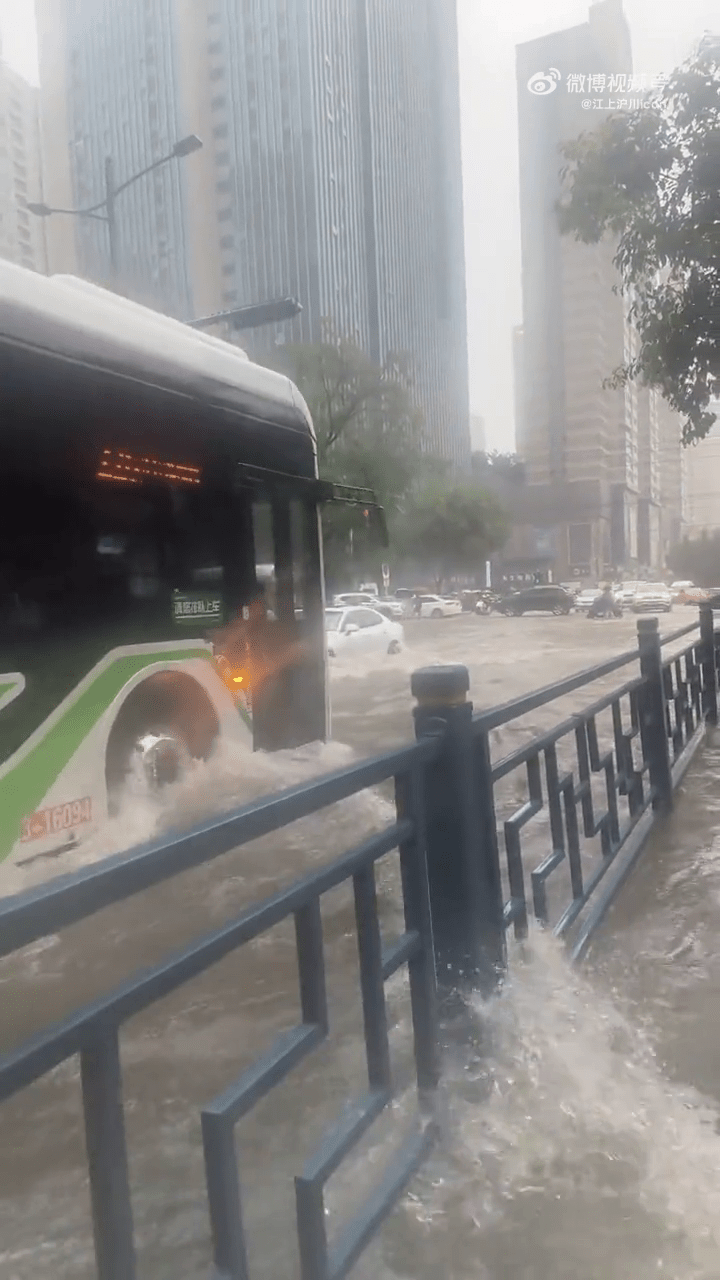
(290, 696)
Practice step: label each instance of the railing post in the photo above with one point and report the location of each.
(707, 660)
(653, 715)
(463, 867)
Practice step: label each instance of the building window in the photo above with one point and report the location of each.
(229, 269)
(213, 18)
(218, 102)
(230, 295)
(222, 157)
(224, 215)
(227, 242)
(224, 187)
(217, 73)
(215, 46)
(220, 131)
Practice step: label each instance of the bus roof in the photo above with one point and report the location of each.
(71, 319)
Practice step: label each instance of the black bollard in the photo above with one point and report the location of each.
(708, 662)
(653, 715)
(463, 863)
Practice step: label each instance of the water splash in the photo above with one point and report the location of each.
(582, 1163)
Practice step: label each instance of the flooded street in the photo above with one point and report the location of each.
(594, 1155)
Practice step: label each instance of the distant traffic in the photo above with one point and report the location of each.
(366, 620)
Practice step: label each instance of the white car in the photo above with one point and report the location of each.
(652, 597)
(436, 607)
(628, 591)
(389, 608)
(361, 631)
(586, 598)
(348, 598)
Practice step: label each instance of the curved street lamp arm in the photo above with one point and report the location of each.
(85, 213)
(141, 174)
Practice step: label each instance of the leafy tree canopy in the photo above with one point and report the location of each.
(498, 469)
(451, 527)
(369, 434)
(651, 178)
(368, 428)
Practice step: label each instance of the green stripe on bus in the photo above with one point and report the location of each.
(5, 688)
(22, 788)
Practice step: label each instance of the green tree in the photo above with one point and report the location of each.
(498, 471)
(450, 528)
(651, 179)
(369, 435)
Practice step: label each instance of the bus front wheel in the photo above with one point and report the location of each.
(164, 724)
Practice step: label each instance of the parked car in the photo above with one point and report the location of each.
(586, 598)
(361, 631)
(390, 608)
(628, 591)
(652, 597)
(349, 598)
(588, 601)
(370, 588)
(678, 591)
(548, 599)
(437, 607)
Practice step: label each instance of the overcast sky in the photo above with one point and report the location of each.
(663, 33)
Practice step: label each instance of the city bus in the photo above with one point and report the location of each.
(161, 574)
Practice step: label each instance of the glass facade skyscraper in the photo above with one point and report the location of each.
(332, 169)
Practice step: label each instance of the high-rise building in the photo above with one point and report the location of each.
(330, 170)
(21, 236)
(702, 461)
(478, 434)
(674, 469)
(518, 382)
(573, 430)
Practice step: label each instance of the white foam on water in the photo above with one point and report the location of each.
(582, 1163)
(233, 776)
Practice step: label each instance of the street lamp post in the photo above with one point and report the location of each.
(184, 147)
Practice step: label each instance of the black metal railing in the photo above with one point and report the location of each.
(593, 785)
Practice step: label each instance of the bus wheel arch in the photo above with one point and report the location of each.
(164, 723)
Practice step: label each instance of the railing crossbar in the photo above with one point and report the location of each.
(551, 736)
(512, 710)
(26, 917)
(54, 1044)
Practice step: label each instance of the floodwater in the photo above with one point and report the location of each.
(588, 1151)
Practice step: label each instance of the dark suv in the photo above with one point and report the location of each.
(536, 600)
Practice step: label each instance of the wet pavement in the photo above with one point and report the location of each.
(593, 1157)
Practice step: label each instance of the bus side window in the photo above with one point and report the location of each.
(264, 549)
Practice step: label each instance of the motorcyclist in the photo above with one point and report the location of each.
(605, 604)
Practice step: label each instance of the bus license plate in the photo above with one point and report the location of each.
(59, 818)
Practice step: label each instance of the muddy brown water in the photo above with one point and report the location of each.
(595, 1155)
